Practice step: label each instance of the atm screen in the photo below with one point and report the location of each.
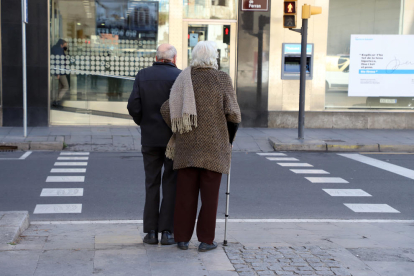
(292, 65)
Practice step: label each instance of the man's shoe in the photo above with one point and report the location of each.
(167, 238)
(151, 237)
(183, 245)
(203, 247)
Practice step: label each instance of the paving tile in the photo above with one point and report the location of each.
(65, 263)
(130, 261)
(18, 263)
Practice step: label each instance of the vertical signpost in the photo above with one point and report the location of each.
(25, 20)
(289, 21)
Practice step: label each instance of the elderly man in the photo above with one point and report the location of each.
(151, 89)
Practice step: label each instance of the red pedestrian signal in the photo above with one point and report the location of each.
(226, 34)
(289, 14)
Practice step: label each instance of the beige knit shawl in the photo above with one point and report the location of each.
(183, 109)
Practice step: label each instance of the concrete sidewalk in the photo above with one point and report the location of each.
(90, 138)
(256, 248)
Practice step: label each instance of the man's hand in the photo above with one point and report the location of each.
(58, 76)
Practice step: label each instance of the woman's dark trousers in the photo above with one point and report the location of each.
(191, 182)
(155, 217)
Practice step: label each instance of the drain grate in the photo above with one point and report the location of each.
(334, 141)
(7, 148)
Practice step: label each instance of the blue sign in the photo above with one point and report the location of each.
(296, 48)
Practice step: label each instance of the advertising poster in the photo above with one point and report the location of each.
(381, 66)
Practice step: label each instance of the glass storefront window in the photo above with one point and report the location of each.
(210, 9)
(97, 48)
(220, 34)
(356, 17)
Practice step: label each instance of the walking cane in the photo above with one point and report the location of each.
(227, 207)
(232, 128)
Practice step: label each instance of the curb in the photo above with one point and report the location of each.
(12, 224)
(35, 145)
(318, 145)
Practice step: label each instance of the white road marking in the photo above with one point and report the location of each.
(68, 171)
(271, 154)
(62, 192)
(282, 159)
(346, 192)
(71, 163)
(326, 180)
(74, 153)
(73, 158)
(65, 179)
(371, 208)
(301, 171)
(23, 157)
(58, 209)
(381, 165)
(231, 221)
(295, 164)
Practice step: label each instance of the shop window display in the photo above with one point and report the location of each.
(355, 17)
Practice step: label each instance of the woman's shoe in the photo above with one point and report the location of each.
(203, 247)
(183, 245)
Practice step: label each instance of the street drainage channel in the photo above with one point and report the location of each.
(5, 148)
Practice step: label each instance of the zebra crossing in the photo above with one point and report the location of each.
(57, 180)
(340, 192)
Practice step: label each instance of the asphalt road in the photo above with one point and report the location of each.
(260, 188)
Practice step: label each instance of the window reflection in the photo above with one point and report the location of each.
(108, 42)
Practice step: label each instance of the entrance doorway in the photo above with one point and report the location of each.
(223, 33)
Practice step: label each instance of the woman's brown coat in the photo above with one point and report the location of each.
(207, 146)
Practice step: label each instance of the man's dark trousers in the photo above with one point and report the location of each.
(156, 218)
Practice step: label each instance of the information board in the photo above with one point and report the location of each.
(381, 66)
(255, 5)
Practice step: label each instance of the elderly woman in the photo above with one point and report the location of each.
(202, 102)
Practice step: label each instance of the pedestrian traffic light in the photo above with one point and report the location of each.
(226, 34)
(289, 14)
(308, 10)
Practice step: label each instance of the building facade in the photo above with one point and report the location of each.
(108, 41)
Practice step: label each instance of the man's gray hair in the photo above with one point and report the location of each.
(205, 54)
(169, 53)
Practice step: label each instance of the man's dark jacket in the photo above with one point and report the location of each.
(152, 88)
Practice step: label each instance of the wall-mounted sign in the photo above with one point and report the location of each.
(255, 5)
(381, 65)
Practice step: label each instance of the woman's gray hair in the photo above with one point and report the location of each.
(205, 54)
(166, 51)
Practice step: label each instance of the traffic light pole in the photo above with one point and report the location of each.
(303, 57)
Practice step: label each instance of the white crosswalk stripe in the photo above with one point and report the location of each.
(73, 158)
(66, 170)
(271, 154)
(346, 192)
(295, 164)
(65, 179)
(371, 208)
(71, 163)
(381, 165)
(282, 159)
(62, 192)
(58, 209)
(326, 180)
(74, 153)
(304, 171)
